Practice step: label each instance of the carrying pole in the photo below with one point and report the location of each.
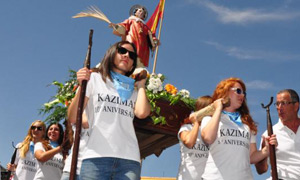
(271, 147)
(87, 63)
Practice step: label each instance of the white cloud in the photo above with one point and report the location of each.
(244, 54)
(259, 84)
(227, 15)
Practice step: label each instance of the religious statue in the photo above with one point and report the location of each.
(134, 29)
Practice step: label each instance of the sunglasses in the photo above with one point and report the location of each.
(39, 128)
(132, 55)
(239, 91)
(283, 103)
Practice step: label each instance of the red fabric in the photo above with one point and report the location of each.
(137, 33)
(156, 16)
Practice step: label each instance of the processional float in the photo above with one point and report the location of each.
(147, 133)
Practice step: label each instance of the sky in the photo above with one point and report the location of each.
(202, 43)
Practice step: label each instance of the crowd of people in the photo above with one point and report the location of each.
(223, 145)
(219, 146)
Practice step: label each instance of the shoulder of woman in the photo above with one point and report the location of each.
(96, 75)
(38, 146)
(185, 127)
(19, 144)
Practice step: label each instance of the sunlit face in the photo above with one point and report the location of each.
(285, 108)
(53, 132)
(140, 13)
(37, 131)
(122, 62)
(236, 99)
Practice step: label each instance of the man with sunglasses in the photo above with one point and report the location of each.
(288, 136)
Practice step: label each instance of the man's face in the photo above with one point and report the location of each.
(140, 13)
(285, 108)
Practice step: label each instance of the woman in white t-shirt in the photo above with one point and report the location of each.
(83, 139)
(112, 100)
(231, 134)
(25, 165)
(49, 156)
(194, 152)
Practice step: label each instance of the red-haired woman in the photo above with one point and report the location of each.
(231, 134)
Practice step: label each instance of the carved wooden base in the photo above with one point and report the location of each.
(153, 139)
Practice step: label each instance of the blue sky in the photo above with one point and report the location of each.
(202, 42)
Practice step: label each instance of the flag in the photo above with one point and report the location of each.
(158, 14)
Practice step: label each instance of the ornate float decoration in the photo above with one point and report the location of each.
(169, 107)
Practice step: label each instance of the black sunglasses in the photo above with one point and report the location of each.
(132, 55)
(239, 91)
(39, 128)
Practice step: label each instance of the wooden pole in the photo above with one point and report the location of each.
(12, 161)
(159, 31)
(271, 147)
(80, 111)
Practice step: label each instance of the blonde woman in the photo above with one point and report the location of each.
(25, 165)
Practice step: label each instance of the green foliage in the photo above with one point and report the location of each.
(56, 109)
(173, 99)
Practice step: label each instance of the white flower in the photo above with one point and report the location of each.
(150, 87)
(185, 93)
(160, 88)
(155, 84)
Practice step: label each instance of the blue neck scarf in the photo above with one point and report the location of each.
(53, 144)
(234, 116)
(123, 84)
(31, 147)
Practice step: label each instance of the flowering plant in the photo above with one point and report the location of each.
(155, 83)
(57, 107)
(155, 91)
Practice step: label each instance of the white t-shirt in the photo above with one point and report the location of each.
(26, 167)
(111, 131)
(68, 161)
(229, 154)
(287, 152)
(193, 159)
(51, 169)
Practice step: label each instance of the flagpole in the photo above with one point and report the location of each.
(156, 49)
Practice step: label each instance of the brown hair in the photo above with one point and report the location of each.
(202, 102)
(222, 91)
(61, 132)
(107, 62)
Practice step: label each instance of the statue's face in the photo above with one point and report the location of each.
(140, 13)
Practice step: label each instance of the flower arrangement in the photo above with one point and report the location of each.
(155, 91)
(57, 107)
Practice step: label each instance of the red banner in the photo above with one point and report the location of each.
(156, 16)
